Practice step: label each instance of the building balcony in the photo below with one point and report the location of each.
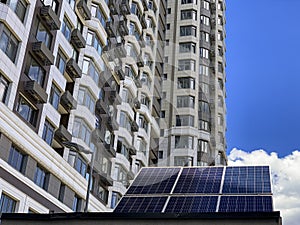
(101, 107)
(98, 136)
(43, 53)
(125, 8)
(113, 95)
(105, 178)
(156, 105)
(112, 123)
(123, 29)
(36, 91)
(120, 72)
(110, 149)
(62, 134)
(105, 76)
(50, 17)
(77, 39)
(67, 101)
(110, 29)
(84, 10)
(120, 51)
(134, 126)
(73, 69)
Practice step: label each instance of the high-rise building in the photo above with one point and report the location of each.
(78, 87)
(193, 106)
(81, 86)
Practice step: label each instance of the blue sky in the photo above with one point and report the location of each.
(263, 75)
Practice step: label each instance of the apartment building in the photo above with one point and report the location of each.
(193, 109)
(79, 89)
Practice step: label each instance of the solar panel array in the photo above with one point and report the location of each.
(199, 190)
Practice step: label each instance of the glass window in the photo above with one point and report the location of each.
(40, 177)
(90, 69)
(188, 31)
(187, 47)
(184, 120)
(16, 159)
(220, 67)
(81, 130)
(220, 101)
(125, 121)
(34, 71)
(204, 107)
(48, 132)
(203, 70)
(4, 85)
(66, 29)
(143, 123)
(135, 10)
(204, 53)
(7, 204)
(184, 142)
(97, 12)
(53, 3)
(129, 72)
(42, 34)
(204, 20)
(93, 40)
(9, 44)
(115, 199)
(203, 146)
(220, 120)
(206, 5)
(186, 82)
(27, 111)
(86, 98)
(77, 201)
(61, 61)
(54, 96)
(204, 36)
(145, 79)
(188, 1)
(203, 125)
(183, 161)
(145, 100)
(185, 101)
(18, 6)
(80, 166)
(186, 64)
(188, 14)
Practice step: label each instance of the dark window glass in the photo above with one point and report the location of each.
(66, 29)
(7, 204)
(54, 96)
(9, 44)
(4, 85)
(61, 62)
(40, 177)
(76, 204)
(35, 72)
(42, 34)
(81, 166)
(48, 132)
(27, 111)
(16, 159)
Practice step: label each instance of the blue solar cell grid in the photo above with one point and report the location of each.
(141, 205)
(154, 181)
(199, 180)
(247, 180)
(246, 204)
(192, 204)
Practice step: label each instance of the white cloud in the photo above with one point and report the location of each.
(285, 179)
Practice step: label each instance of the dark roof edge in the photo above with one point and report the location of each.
(136, 216)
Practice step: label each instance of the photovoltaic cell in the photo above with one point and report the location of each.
(199, 180)
(154, 181)
(141, 205)
(247, 180)
(192, 204)
(246, 204)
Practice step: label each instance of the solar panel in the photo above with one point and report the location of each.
(154, 181)
(192, 204)
(246, 204)
(247, 180)
(199, 180)
(141, 204)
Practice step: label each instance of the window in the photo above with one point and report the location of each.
(221, 137)
(90, 69)
(188, 1)
(220, 20)
(7, 204)
(203, 125)
(160, 154)
(184, 120)
(101, 192)
(220, 67)
(185, 101)
(141, 145)
(61, 61)
(204, 88)
(122, 148)
(143, 123)
(72, 3)
(188, 31)
(86, 98)
(204, 36)
(129, 71)
(220, 101)
(40, 177)
(206, 5)
(8, 43)
(48, 132)
(220, 35)
(220, 120)
(135, 10)
(186, 64)
(120, 174)
(125, 121)
(131, 51)
(168, 26)
(203, 146)
(81, 130)
(163, 114)
(42, 34)
(188, 14)
(187, 47)
(97, 12)
(76, 207)
(66, 29)
(204, 20)
(80, 166)
(220, 6)
(61, 194)
(183, 161)
(169, 10)
(34, 71)
(149, 41)
(221, 84)
(203, 70)
(148, 61)
(204, 53)
(186, 82)
(125, 95)
(184, 142)
(16, 159)
(204, 107)
(4, 85)
(27, 111)
(145, 79)
(165, 76)
(115, 198)
(53, 3)
(220, 51)
(54, 96)
(93, 40)
(145, 100)
(18, 6)
(134, 31)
